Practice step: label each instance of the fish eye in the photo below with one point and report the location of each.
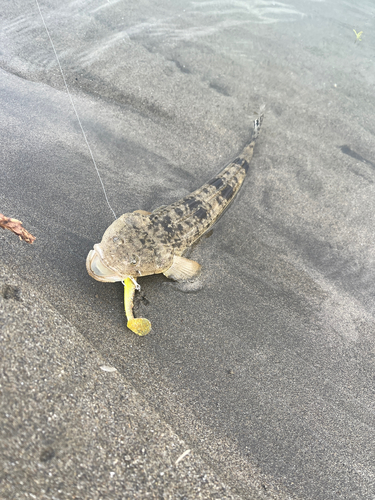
(118, 240)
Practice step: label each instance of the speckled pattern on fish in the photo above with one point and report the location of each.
(143, 243)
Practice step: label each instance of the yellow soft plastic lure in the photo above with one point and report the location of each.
(140, 326)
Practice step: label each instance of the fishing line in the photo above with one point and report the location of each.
(75, 110)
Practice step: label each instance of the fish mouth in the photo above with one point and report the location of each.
(97, 269)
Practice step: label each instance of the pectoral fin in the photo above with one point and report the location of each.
(183, 269)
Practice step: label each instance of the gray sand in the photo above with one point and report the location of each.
(71, 427)
(266, 371)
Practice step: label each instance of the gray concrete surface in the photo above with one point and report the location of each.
(266, 372)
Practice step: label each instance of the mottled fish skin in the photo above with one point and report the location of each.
(143, 243)
(186, 220)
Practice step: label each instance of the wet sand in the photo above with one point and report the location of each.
(72, 426)
(266, 372)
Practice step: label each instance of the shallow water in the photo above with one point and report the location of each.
(268, 369)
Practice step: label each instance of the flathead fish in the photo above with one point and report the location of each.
(143, 243)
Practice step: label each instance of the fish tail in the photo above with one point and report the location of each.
(245, 157)
(230, 179)
(206, 205)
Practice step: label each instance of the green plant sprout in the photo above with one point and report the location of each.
(358, 35)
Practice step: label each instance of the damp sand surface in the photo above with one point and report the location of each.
(264, 370)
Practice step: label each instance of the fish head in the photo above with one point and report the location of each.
(127, 250)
